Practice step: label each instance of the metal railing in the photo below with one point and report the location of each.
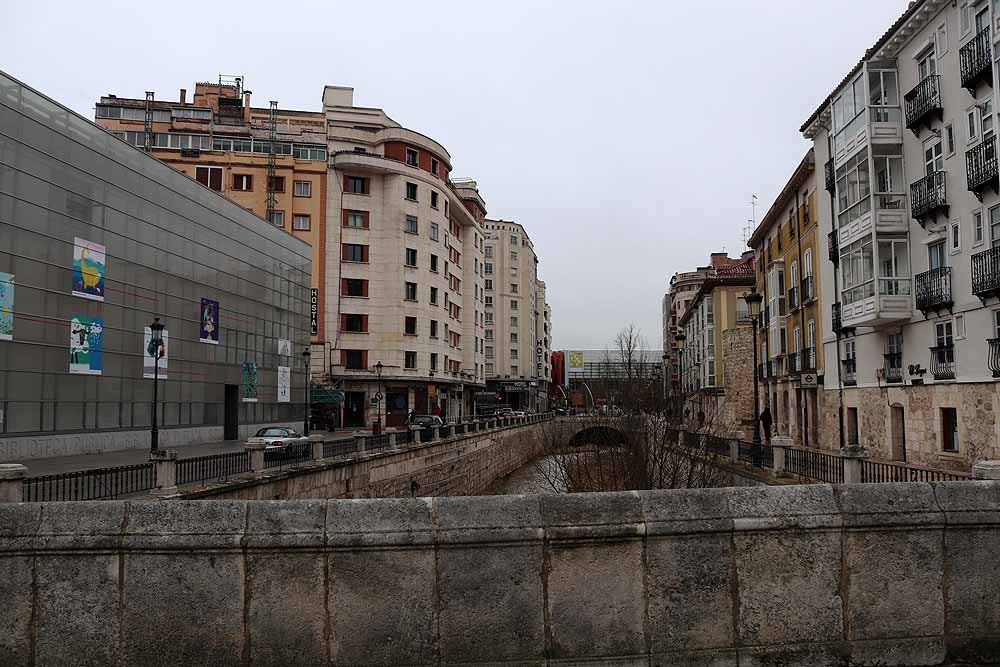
(849, 366)
(835, 316)
(943, 362)
(986, 272)
(981, 165)
(928, 195)
(293, 454)
(881, 471)
(715, 444)
(793, 298)
(974, 60)
(922, 100)
(994, 356)
(95, 484)
(893, 367)
(815, 465)
(746, 454)
(808, 287)
(343, 447)
(212, 466)
(807, 359)
(933, 288)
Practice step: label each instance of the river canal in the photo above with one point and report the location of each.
(531, 478)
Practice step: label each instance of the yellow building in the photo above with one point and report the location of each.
(786, 245)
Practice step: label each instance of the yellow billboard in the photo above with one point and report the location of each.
(575, 361)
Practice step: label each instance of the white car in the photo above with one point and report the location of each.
(280, 436)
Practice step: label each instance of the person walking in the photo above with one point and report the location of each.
(765, 422)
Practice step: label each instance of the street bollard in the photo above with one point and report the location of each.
(316, 444)
(12, 482)
(359, 440)
(165, 463)
(392, 439)
(256, 447)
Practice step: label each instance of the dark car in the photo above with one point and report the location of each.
(424, 421)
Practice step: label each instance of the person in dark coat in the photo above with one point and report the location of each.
(765, 422)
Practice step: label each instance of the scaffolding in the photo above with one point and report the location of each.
(149, 141)
(272, 130)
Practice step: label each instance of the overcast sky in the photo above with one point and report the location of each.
(626, 137)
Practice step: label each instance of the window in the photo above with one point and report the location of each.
(412, 157)
(949, 139)
(410, 360)
(300, 222)
(514, 240)
(513, 288)
(434, 328)
(303, 188)
(243, 182)
(488, 250)
(489, 302)
(966, 15)
(434, 263)
(434, 361)
(513, 255)
(949, 430)
(411, 292)
(277, 183)
(489, 352)
(354, 252)
(355, 359)
(986, 118)
(410, 326)
(955, 236)
(488, 268)
(959, 327)
(857, 271)
(411, 224)
(513, 322)
(926, 64)
(434, 296)
(355, 219)
(489, 369)
(977, 228)
(513, 304)
(513, 353)
(489, 332)
(277, 218)
(434, 167)
(488, 318)
(513, 271)
(434, 200)
(354, 287)
(513, 370)
(807, 263)
(933, 160)
(411, 257)
(945, 344)
(355, 323)
(210, 177)
(411, 191)
(941, 38)
(935, 255)
(488, 284)
(434, 231)
(853, 188)
(894, 267)
(513, 338)
(357, 185)
(995, 226)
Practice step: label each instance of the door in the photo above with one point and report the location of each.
(898, 434)
(995, 226)
(354, 408)
(933, 158)
(231, 416)
(420, 400)
(927, 65)
(935, 255)
(396, 406)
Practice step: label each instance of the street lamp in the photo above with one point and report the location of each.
(306, 355)
(155, 350)
(377, 424)
(753, 300)
(679, 339)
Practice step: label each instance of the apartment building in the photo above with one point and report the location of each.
(543, 348)
(908, 143)
(515, 324)
(219, 139)
(715, 356)
(786, 247)
(404, 270)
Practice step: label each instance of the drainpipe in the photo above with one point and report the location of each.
(804, 408)
(836, 292)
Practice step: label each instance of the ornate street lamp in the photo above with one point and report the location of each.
(155, 350)
(377, 424)
(306, 355)
(753, 300)
(679, 340)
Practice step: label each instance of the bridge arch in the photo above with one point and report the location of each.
(599, 435)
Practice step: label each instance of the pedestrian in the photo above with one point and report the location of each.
(437, 411)
(410, 416)
(765, 422)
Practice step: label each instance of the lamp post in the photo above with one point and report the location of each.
(306, 356)
(679, 339)
(155, 350)
(753, 300)
(377, 424)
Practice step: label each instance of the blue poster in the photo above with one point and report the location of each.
(88, 269)
(249, 381)
(86, 344)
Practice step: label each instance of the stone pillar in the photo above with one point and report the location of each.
(435, 434)
(734, 451)
(12, 482)
(316, 442)
(459, 429)
(359, 440)
(165, 468)
(981, 470)
(779, 445)
(392, 439)
(256, 448)
(853, 456)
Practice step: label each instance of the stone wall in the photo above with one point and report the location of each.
(737, 409)
(902, 574)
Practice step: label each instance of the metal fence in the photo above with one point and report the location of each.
(96, 484)
(277, 457)
(716, 445)
(877, 471)
(332, 448)
(212, 467)
(376, 442)
(815, 465)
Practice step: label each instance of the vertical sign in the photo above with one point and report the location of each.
(88, 269)
(284, 383)
(314, 312)
(208, 329)
(249, 382)
(6, 306)
(148, 359)
(86, 343)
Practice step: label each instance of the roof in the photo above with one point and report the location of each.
(805, 169)
(741, 275)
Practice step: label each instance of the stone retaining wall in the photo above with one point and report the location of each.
(901, 574)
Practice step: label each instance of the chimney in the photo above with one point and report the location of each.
(184, 94)
(246, 106)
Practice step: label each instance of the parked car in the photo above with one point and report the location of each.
(504, 412)
(424, 421)
(560, 411)
(518, 413)
(280, 436)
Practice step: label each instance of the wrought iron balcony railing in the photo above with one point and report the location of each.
(807, 359)
(831, 176)
(994, 356)
(893, 367)
(934, 289)
(794, 360)
(975, 61)
(835, 316)
(832, 249)
(923, 101)
(928, 196)
(793, 298)
(986, 272)
(849, 366)
(808, 287)
(981, 166)
(943, 362)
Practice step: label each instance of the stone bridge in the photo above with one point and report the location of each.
(897, 574)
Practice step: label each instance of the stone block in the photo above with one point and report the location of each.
(897, 504)
(782, 507)
(894, 579)
(596, 601)
(908, 652)
(685, 511)
(183, 608)
(15, 608)
(689, 588)
(18, 525)
(833, 654)
(709, 658)
(973, 588)
(491, 603)
(382, 607)
(789, 586)
(971, 503)
(186, 524)
(76, 613)
(286, 614)
(586, 516)
(81, 525)
(383, 522)
(280, 524)
(478, 519)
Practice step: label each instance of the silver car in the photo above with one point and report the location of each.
(280, 436)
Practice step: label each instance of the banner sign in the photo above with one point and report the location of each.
(284, 348)
(6, 306)
(314, 312)
(284, 384)
(575, 361)
(249, 381)
(149, 368)
(86, 344)
(208, 330)
(88, 269)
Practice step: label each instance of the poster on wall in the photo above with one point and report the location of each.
(284, 384)
(575, 362)
(86, 342)
(6, 306)
(88, 269)
(284, 348)
(208, 330)
(148, 359)
(249, 383)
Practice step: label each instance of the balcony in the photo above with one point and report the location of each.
(849, 367)
(923, 103)
(837, 326)
(943, 362)
(794, 360)
(893, 367)
(933, 289)
(807, 359)
(833, 252)
(981, 167)
(831, 177)
(808, 290)
(928, 197)
(793, 298)
(976, 61)
(986, 273)
(994, 356)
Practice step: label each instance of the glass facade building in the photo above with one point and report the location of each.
(96, 239)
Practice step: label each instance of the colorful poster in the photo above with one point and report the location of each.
(209, 327)
(284, 384)
(86, 342)
(6, 306)
(249, 382)
(284, 348)
(88, 269)
(149, 368)
(575, 361)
